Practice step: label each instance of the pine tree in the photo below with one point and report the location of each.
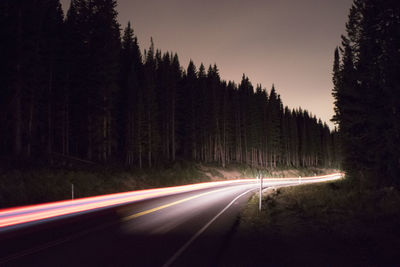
(175, 93)
(151, 134)
(131, 64)
(189, 114)
(95, 41)
(31, 69)
(274, 130)
(362, 87)
(72, 87)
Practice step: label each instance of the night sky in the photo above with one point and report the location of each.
(286, 42)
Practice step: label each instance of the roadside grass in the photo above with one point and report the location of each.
(31, 185)
(327, 224)
(22, 187)
(280, 171)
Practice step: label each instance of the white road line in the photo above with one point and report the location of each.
(195, 236)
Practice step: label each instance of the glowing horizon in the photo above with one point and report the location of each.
(288, 43)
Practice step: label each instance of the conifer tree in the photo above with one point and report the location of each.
(131, 64)
(71, 87)
(363, 84)
(151, 134)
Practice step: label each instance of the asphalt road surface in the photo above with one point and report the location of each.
(177, 226)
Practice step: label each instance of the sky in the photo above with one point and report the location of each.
(288, 43)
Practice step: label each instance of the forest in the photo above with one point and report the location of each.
(78, 86)
(367, 92)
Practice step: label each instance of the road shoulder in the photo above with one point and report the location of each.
(318, 225)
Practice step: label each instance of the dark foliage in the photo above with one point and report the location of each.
(72, 86)
(367, 92)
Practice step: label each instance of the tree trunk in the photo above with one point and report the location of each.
(139, 139)
(167, 143)
(49, 113)
(18, 89)
(30, 126)
(89, 137)
(173, 128)
(149, 137)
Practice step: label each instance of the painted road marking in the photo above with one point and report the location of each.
(133, 216)
(188, 243)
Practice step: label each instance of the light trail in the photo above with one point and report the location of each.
(36, 213)
(198, 233)
(133, 216)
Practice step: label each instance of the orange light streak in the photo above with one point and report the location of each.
(20, 215)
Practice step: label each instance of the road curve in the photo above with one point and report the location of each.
(183, 225)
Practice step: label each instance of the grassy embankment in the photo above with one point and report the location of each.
(21, 186)
(328, 224)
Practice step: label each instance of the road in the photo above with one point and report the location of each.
(176, 226)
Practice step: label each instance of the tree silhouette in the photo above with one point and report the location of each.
(73, 87)
(366, 92)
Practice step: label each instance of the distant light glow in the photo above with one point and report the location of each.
(21, 215)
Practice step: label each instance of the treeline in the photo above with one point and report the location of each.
(73, 86)
(366, 81)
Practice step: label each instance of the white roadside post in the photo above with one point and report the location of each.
(259, 203)
(72, 191)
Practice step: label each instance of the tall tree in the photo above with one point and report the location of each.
(150, 104)
(131, 65)
(72, 87)
(96, 36)
(362, 87)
